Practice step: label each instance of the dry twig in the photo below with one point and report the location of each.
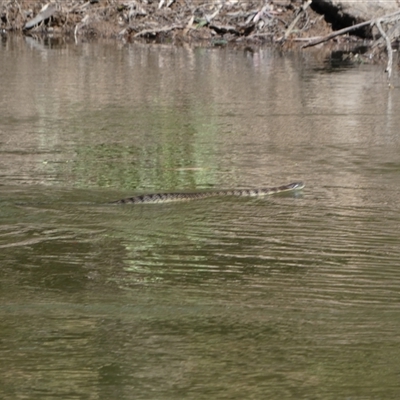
(388, 47)
(386, 18)
(294, 22)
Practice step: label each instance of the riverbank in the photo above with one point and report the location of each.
(369, 30)
(165, 20)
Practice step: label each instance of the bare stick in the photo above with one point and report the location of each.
(46, 12)
(294, 22)
(349, 29)
(188, 26)
(337, 33)
(388, 47)
(393, 32)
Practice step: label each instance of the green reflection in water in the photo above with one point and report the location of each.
(172, 153)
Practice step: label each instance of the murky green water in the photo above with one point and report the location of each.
(289, 297)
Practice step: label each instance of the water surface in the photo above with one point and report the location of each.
(291, 296)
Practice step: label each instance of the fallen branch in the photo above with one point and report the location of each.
(46, 12)
(337, 33)
(305, 39)
(388, 48)
(392, 33)
(394, 17)
(83, 23)
(385, 18)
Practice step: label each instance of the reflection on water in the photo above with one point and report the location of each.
(291, 296)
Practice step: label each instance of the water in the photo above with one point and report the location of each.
(292, 296)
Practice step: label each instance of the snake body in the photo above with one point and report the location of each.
(169, 197)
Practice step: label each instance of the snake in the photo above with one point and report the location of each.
(172, 197)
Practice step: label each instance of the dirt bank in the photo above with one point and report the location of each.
(166, 20)
(213, 22)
